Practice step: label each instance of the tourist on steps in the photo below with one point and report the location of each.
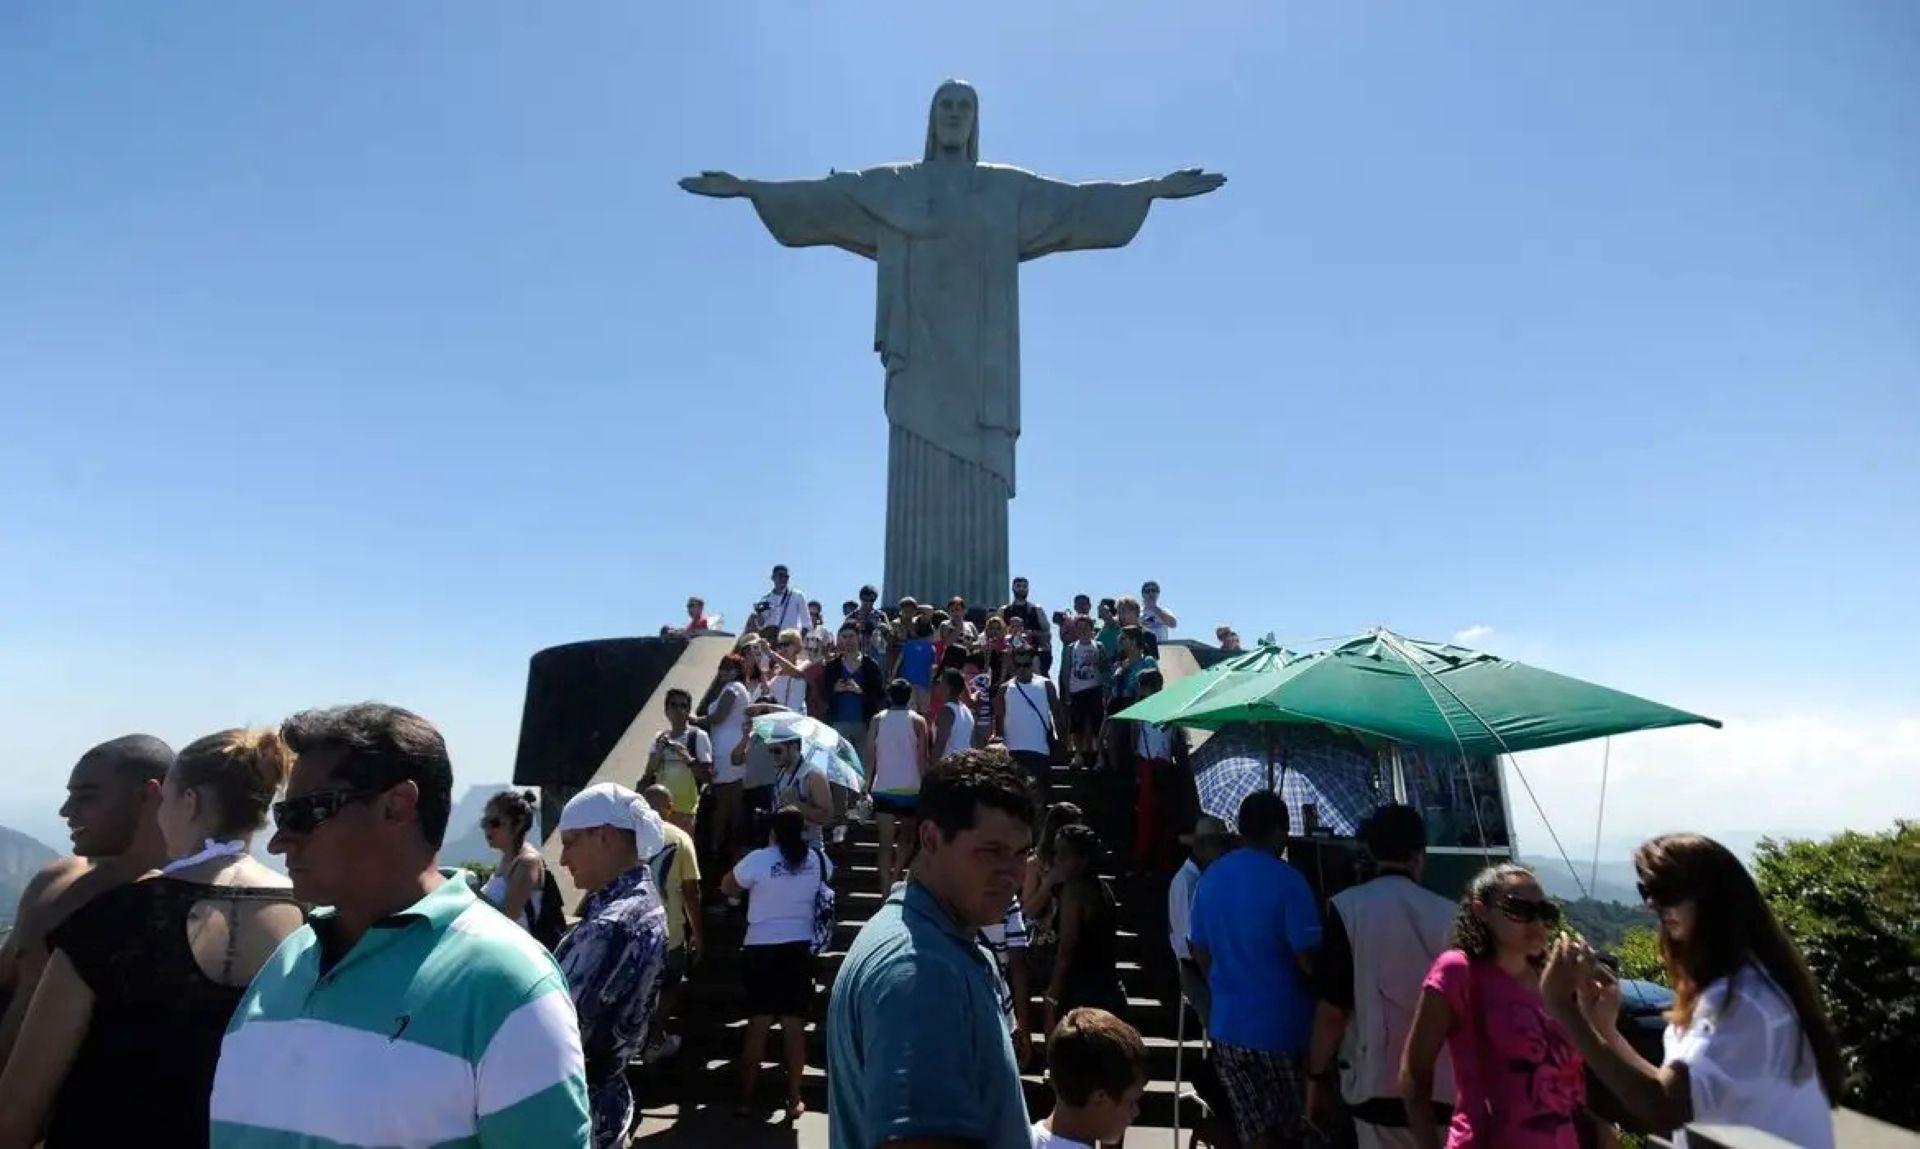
(457, 1025)
(1154, 617)
(1254, 931)
(1086, 965)
(615, 957)
(1209, 840)
(1518, 1080)
(1097, 1066)
(120, 1045)
(953, 726)
(1748, 1042)
(917, 1043)
(726, 723)
(914, 661)
(677, 877)
(1039, 897)
(896, 745)
(1086, 696)
(780, 881)
(786, 606)
(681, 759)
(1027, 719)
(852, 687)
(1381, 937)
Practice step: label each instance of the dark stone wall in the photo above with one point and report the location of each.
(581, 698)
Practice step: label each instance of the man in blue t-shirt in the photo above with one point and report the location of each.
(1253, 934)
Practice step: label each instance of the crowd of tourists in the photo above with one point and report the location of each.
(163, 987)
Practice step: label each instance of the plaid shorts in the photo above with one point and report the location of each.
(1267, 1091)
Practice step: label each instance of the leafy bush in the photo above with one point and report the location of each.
(1852, 903)
(1604, 924)
(1639, 954)
(481, 871)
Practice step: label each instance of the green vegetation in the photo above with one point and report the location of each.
(1639, 954)
(1605, 924)
(1852, 903)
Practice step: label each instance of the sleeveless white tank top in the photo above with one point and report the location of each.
(895, 769)
(961, 736)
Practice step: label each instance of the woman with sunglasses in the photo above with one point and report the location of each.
(1747, 1040)
(518, 881)
(1518, 1083)
(121, 1040)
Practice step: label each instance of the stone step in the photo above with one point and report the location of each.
(719, 1075)
(725, 1043)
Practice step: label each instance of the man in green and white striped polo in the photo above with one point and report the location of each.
(406, 1012)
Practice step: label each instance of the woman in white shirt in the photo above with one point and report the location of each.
(781, 881)
(787, 683)
(726, 722)
(1747, 1041)
(518, 879)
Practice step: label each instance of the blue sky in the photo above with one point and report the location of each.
(360, 350)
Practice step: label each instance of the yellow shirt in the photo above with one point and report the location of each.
(685, 868)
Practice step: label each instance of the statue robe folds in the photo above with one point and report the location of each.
(948, 240)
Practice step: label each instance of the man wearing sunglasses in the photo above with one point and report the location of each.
(407, 1011)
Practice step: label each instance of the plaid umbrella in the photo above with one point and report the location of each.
(1334, 775)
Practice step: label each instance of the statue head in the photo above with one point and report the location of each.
(953, 121)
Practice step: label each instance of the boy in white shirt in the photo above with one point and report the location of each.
(1097, 1066)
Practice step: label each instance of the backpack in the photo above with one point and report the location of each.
(823, 907)
(551, 922)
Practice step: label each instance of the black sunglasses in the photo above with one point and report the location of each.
(1657, 898)
(1523, 911)
(492, 823)
(305, 814)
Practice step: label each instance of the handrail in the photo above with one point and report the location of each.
(1851, 1130)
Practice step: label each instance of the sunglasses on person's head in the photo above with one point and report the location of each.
(1525, 911)
(308, 812)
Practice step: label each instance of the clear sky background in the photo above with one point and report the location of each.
(360, 350)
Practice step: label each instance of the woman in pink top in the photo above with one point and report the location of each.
(1518, 1084)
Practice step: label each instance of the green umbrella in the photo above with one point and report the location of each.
(1197, 688)
(1405, 690)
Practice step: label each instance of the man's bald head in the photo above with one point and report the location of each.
(114, 792)
(138, 758)
(660, 798)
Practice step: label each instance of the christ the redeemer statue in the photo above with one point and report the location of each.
(949, 234)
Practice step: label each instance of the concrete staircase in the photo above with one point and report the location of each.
(711, 1024)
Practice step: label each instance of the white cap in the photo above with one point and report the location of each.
(611, 804)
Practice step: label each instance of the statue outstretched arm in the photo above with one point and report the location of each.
(1058, 216)
(799, 213)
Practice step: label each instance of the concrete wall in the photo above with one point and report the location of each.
(693, 673)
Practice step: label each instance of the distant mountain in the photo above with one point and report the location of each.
(466, 842)
(20, 858)
(1616, 883)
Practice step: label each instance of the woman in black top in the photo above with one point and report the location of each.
(120, 1042)
(1085, 969)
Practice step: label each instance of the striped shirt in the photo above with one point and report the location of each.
(445, 1026)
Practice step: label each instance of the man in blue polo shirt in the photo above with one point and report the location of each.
(1253, 934)
(917, 1042)
(407, 1012)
